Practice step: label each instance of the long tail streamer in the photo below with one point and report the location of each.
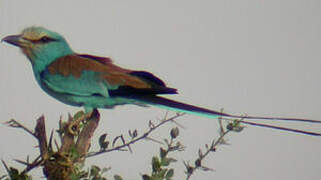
(187, 108)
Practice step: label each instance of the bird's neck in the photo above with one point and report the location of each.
(40, 66)
(41, 61)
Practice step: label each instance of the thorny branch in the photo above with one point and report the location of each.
(232, 126)
(152, 127)
(72, 136)
(37, 161)
(75, 144)
(15, 124)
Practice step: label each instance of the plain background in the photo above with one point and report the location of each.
(246, 56)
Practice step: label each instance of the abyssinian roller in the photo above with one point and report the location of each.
(95, 82)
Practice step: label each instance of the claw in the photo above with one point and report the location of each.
(74, 126)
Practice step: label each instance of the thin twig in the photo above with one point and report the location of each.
(15, 124)
(37, 162)
(212, 148)
(152, 127)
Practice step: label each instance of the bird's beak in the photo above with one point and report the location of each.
(15, 40)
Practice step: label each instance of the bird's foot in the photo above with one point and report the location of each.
(74, 126)
(81, 117)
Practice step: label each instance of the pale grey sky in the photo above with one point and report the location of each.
(246, 56)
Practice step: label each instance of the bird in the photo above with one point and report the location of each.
(96, 82)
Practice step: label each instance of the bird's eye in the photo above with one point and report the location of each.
(46, 39)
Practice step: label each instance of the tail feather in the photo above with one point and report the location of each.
(187, 108)
(178, 106)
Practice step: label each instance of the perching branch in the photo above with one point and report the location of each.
(75, 137)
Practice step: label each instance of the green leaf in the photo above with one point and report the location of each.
(162, 153)
(162, 173)
(13, 172)
(146, 177)
(198, 163)
(15, 175)
(174, 132)
(74, 152)
(102, 143)
(79, 114)
(117, 177)
(167, 161)
(238, 128)
(155, 164)
(169, 174)
(82, 174)
(94, 171)
(105, 169)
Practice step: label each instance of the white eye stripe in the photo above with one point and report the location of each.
(44, 39)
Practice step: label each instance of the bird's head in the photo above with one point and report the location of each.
(40, 45)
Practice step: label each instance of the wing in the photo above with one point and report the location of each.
(86, 75)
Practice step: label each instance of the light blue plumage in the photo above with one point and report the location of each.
(95, 82)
